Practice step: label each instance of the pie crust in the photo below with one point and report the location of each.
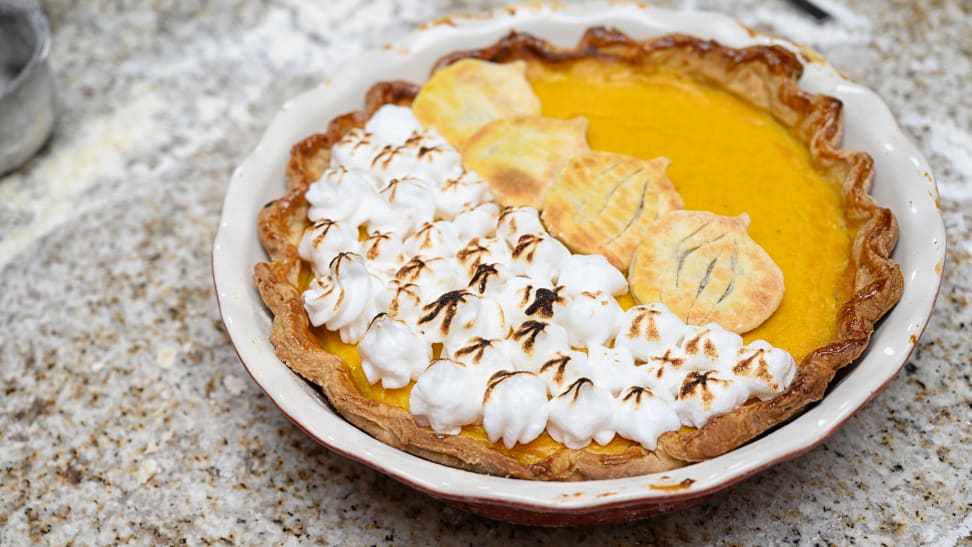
(765, 76)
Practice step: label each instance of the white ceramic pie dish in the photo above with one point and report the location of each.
(902, 182)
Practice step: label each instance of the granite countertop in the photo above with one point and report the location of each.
(126, 416)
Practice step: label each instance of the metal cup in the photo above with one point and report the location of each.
(27, 107)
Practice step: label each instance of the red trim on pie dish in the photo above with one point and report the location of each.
(537, 515)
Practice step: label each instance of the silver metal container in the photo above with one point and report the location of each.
(27, 108)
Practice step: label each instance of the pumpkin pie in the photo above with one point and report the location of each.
(408, 270)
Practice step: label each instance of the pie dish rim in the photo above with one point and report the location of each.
(467, 487)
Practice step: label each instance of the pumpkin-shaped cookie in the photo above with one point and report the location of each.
(521, 156)
(468, 94)
(706, 269)
(602, 203)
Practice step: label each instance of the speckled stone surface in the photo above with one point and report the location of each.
(125, 415)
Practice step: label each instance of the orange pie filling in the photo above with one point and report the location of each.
(727, 157)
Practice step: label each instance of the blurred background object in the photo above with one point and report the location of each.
(811, 9)
(27, 107)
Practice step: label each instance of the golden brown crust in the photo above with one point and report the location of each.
(767, 77)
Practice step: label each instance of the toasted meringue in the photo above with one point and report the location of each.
(592, 318)
(489, 281)
(533, 343)
(393, 124)
(710, 347)
(664, 371)
(538, 256)
(581, 413)
(457, 193)
(482, 250)
(409, 203)
(391, 352)
(324, 240)
(641, 416)
(345, 195)
(562, 370)
(346, 299)
(486, 355)
(514, 407)
(525, 298)
(515, 222)
(763, 369)
(647, 329)
(703, 395)
(434, 274)
(476, 221)
(423, 155)
(614, 368)
(356, 149)
(591, 273)
(456, 316)
(447, 396)
(384, 149)
(432, 239)
(405, 301)
(383, 253)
